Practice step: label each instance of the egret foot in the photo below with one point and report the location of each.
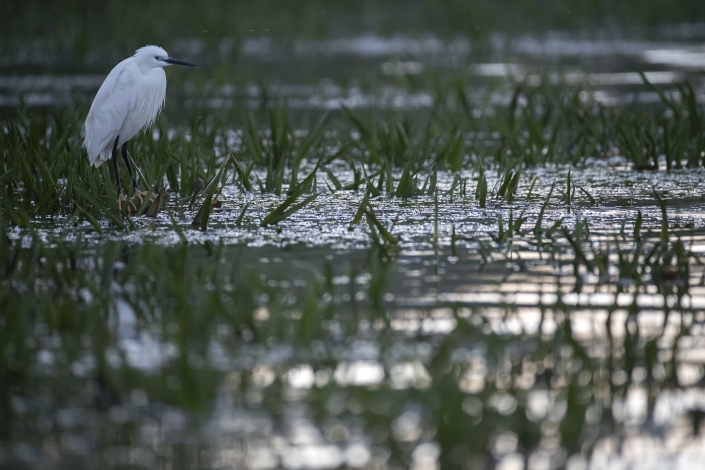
(122, 203)
(132, 206)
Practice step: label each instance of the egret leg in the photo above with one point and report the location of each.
(115, 165)
(129, 168)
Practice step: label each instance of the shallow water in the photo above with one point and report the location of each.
(463, 323)
(456, 347)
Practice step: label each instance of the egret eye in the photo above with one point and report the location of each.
(156, 57)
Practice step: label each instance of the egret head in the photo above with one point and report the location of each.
(155, 56)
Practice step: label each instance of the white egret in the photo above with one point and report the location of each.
(128, 101)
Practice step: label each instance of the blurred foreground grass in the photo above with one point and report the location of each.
(107, 330)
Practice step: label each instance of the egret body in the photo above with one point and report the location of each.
(128, 101)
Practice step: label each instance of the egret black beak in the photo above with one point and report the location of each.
(172, 61)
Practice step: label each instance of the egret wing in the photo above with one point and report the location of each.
(147, 100)
(108, 112)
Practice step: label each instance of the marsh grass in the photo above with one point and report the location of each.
(289, 206)
(45, 173)
(200, 297)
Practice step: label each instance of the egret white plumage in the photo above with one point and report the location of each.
(128, 101)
